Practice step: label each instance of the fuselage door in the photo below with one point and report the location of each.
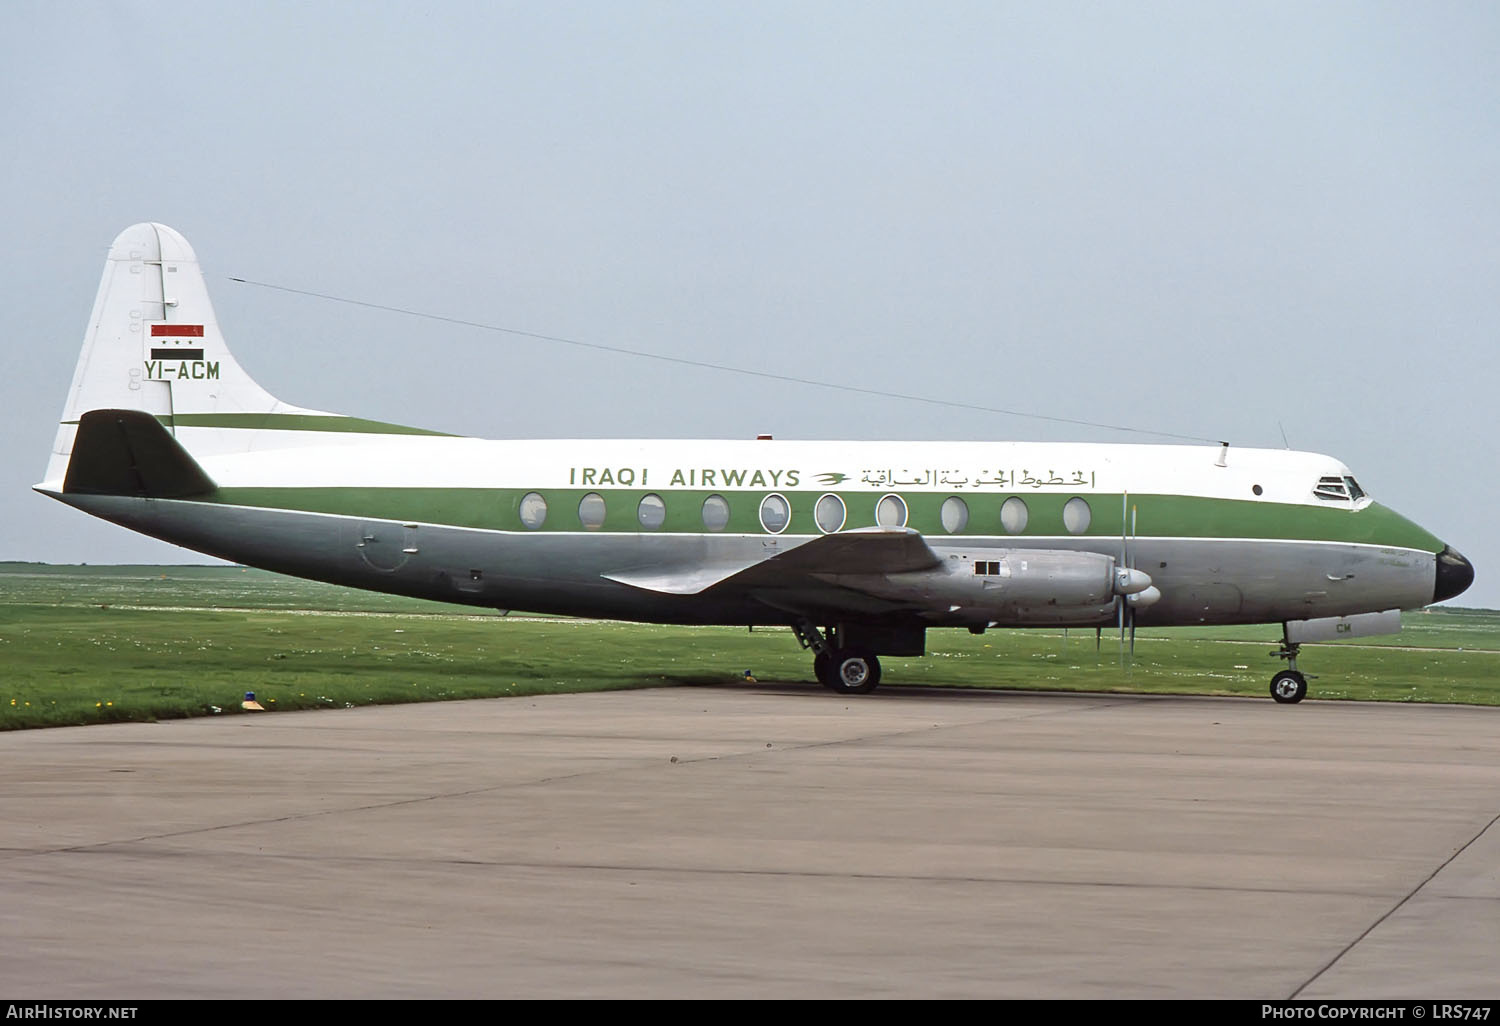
(386, 546)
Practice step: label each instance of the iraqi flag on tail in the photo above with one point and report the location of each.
(174, 352)
(176, 342)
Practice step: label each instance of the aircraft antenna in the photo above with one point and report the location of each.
(726, 368)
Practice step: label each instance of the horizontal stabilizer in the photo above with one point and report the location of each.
(874, 550)
(130, 452)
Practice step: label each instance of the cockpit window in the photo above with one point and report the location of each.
(1332, 488)
(1339, 489)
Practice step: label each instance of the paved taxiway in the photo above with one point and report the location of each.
(753, 841)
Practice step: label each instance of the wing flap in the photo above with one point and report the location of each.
(873, 550)
(688, 580)
(866, 550)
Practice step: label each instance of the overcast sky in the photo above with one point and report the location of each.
(1225, 220)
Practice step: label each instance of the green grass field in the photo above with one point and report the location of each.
(95, 644)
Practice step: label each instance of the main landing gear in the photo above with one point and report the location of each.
(845, 671)
(1289, 686)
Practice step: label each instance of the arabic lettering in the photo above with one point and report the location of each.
(907, 477)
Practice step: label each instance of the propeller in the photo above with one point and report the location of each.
(1134, 587)
(1129, 605)
(1124, 564)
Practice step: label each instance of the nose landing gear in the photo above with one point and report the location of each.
(1289, 686)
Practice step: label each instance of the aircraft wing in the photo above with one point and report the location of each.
(872, 550)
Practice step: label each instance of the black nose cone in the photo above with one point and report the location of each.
(1454, 574)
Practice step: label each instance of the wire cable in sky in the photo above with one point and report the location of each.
(704, 364)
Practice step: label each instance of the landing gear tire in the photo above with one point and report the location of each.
(1288, 687)
(820, 668)
(850, 672)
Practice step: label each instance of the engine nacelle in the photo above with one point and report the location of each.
(1012, 586)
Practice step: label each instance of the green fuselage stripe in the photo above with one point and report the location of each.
(1160, 516)
(293, 422)
(289, 422)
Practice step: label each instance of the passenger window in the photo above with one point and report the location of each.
(954, 514)
(890, 511)
(715, 513)
(652, 512)
(533, 510)
(775, 514)
(830, 513)
(1077, 516)
(1014, 514)
(591, 511)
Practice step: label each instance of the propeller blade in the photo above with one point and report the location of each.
(1124, 600)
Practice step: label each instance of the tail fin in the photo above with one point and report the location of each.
(154, 345)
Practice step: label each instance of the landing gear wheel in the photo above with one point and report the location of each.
(820, 668)
(851, 672)
(1288, 687)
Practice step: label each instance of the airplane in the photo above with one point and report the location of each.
(858, 547)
